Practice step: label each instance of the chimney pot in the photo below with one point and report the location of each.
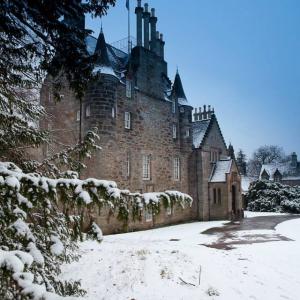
(146, 7)
(204, 108)
(139, 2)
(209, 108)
(161, 37)
(152, 12)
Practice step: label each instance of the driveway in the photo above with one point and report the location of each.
(248, 231)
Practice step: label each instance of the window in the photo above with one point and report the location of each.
(61, 96)
(88, 111)
(214, 156)
(146, 167)
(78, 115)
(113, 112)
(127, 120)
(219, 196)
(148, 215)
(128, 165)
(176, 168)
(169, 211)
(128, 88)
(187, 132)
(215, 196)
(174, 131)
(173, 107)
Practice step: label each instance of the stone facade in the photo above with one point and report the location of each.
(150, 140)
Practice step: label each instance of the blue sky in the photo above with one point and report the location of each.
(240, 56)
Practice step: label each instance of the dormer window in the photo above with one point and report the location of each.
(128, 88)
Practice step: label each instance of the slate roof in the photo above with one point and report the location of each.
(201, 130)
(117, 58)
(177, 90)
(285, 169)
(221, 168)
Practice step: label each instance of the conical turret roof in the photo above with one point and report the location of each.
(177, 90)
(101, 51)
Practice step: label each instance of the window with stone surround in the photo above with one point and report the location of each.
(78, 115)
(146, 167)
(215, 196)
(174, 128)
(127, 119)
(88, 111)
(214, 155)
(128, 165)
(148, 215)
(187, 132)
(219, 196)
(128, 88)
(176, 168)
(173, 107)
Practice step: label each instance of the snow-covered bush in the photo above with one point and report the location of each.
(42, 218)
(273, 197)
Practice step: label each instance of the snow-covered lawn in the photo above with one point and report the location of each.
(171, 263)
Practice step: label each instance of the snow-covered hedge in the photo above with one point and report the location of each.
(41, 220)
(274, 197)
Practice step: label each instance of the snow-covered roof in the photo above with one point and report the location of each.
(117, 58)
(221, 168)
(284, 168)
(199, 131)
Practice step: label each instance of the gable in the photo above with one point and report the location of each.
(213, 137)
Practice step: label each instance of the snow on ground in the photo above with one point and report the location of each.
(165, 263)
(252, 214)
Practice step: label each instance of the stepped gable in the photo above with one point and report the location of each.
(201, 129)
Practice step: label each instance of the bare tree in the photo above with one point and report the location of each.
(264, 155)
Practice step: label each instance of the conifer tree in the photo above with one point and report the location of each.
(35, 41)
(241, 162)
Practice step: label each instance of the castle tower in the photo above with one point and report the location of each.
(99, 107)
(183, 112)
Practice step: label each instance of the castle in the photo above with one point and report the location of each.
(151, 138)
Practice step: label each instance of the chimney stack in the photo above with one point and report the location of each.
(162, 46)
(153, 21)
(203, 114)
(139, 24)
(146, 17)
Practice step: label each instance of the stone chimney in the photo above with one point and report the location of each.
(139, 23)
(294, 160)
(153, 21)
(146, 17)
(162, 46)
(204, 114)
(157, 47)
